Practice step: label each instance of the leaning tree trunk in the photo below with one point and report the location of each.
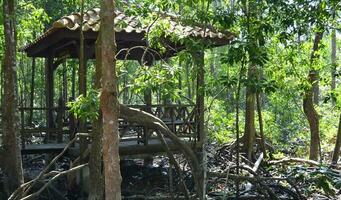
(308, 104)
(109, 103)
(13, 173)
(250, 130)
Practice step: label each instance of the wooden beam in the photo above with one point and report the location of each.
(45, 43)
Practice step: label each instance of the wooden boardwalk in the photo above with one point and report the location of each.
(127, 147)
(135, 138)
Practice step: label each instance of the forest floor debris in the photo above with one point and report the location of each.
(279, 179)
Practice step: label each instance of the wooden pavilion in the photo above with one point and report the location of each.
(62, 41)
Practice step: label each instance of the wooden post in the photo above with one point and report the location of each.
(49, 90)
(32, 91)
(22, 123)
(198, 58)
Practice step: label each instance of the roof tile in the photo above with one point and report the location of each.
(128, 24)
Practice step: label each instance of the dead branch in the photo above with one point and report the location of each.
(258, 162)
(58, 174)
(26, 187)
(288, 160)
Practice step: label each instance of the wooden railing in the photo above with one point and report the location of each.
(179, 118)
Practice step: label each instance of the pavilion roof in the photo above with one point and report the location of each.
(125, 24)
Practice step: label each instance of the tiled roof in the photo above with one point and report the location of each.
(128, 24)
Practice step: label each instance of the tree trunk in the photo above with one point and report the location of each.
(260, 120)
(82, 76)
(337, 144)
(13, 172)
(333, 86)
(2, 81)
(250, 131)
(308, 105)
(96, 191)
(334, 65)
(109, 103)
(198, 58)
(316, 87)
(125, 89)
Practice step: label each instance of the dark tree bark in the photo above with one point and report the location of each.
(96, 191)
(316, 87)
(308, 104)
(250, 130)
(1, 73)
(125, 89)
(198, 58)
(13, 173)
(109, 103)
(336, 153)
(82, 77)
(260, 121)
(82, 71)
(333, 86)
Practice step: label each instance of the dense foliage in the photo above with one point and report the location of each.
(276, 36)
(274, 40)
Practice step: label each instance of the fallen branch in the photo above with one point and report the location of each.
(293, 160)
(58, 174)
(258, 162)
(26, 187)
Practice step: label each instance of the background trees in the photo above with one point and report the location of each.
(286, 56)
